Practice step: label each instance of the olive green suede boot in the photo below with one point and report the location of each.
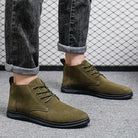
(85, 79)
(36, 103)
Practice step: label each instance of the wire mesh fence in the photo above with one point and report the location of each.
(112, 37)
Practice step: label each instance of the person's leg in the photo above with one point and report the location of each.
(23, 79)
(22, 20)
(29, 98)
(73, 28)
(79, 76)
(74, 59)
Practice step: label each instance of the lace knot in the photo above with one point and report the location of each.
(44, 92)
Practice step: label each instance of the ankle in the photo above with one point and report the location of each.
(74, 59)
(23, 79)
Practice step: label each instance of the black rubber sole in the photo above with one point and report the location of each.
(25, 117)
(96, 94)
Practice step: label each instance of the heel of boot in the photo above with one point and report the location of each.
(70, 90)
(14, 115)
(66, 90)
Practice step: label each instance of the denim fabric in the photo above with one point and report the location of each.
(22, 21)
(73, 25)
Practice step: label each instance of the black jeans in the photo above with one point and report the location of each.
(22, 21)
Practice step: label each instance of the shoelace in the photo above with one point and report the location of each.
(47, 94)
(93, 70)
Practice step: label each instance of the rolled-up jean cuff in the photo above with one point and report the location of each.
(21, 70)
(70, 49)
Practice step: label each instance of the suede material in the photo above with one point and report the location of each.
(12, 99)
(82, 77)
(24, 99)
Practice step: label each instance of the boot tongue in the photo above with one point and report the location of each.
(36, 82)
(85, 63)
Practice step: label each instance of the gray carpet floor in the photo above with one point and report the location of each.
(109, 118)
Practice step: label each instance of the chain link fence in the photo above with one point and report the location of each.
(112, 37)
